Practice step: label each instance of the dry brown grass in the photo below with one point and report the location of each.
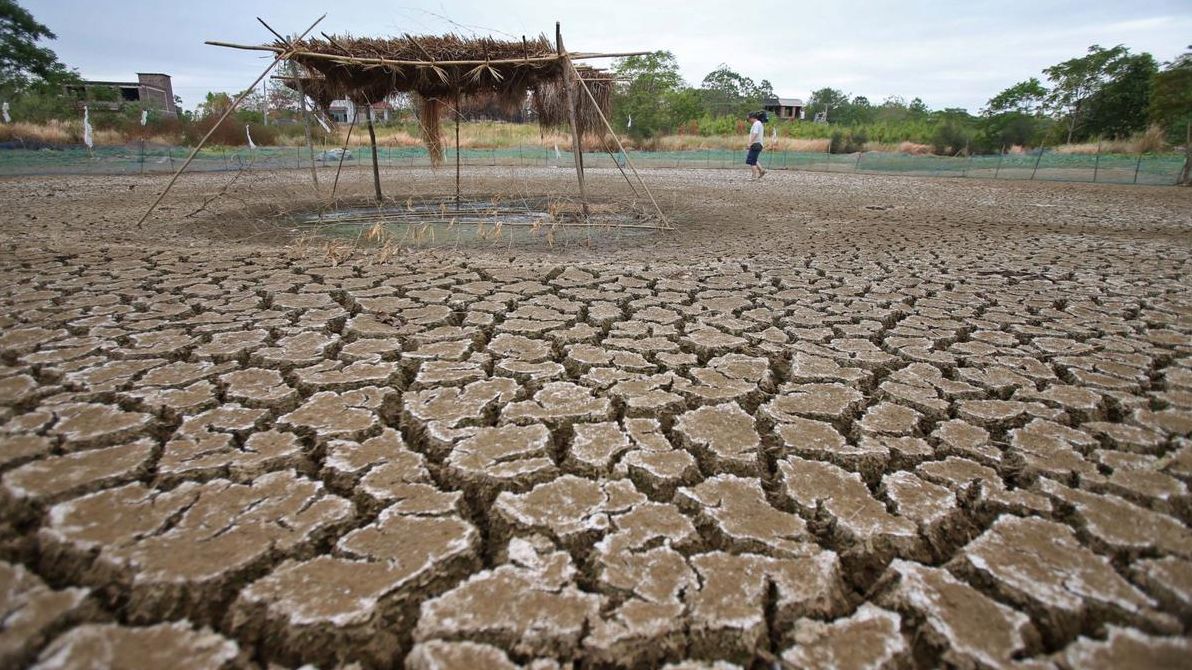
(56, 132)
(1150, 141)
(732, 143)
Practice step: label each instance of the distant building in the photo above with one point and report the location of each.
(152, 89)
(342, 111)
(784, 108)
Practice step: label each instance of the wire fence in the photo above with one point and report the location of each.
(1151, 169)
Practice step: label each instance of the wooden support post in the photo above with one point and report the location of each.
(372, 139)
(314, 174)
(1097, 162)
(1186, 174)
(457, 117)
(569, 88)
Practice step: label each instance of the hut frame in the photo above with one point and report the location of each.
(443, 69)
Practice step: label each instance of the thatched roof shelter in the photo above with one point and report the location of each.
(441, 72)
(449, 70)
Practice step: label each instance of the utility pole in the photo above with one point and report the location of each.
(265, 102)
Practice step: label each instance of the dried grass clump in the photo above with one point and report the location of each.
(1151, 140)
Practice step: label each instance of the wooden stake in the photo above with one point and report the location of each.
(1186, 173)
(314, 174)
(372, 139)
(457, 116)
(569, 89)
(235, 103)
(343, 152)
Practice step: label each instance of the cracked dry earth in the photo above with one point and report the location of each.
(906, 438)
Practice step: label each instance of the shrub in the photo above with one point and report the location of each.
(229, 133)
(950, 138)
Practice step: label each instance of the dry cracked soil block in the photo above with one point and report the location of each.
(728, 614)
(735, 511)
(83, 425)
(961, 624)
(869, 639)
(506, 458)
(827, 402)
(573, 511)
(1040, 566)
(357, 606)
(529, 607)
(182, 552)
(167, 645)
(723, 438)
(559, 404)
(1126, 649)
(1116, 525)
(58, 477)
(33, 612)
(861, 522)
(440, 655)
(349, 416)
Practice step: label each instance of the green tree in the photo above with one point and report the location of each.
(22, 62)
(653, 80)
(1119, 107)
(685, 104)
(1026, 97)
(728, 93)
(1170, 104)
(1075, 81)
(823, 101)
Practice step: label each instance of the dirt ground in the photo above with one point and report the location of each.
(830, 421)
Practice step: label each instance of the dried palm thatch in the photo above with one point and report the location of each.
(430, 116)
(550, 102)
(441, 70)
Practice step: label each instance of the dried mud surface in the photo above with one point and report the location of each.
(831, 422)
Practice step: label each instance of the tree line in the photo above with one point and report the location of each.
(1107, 93)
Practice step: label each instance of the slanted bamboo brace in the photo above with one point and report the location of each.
(235, 103)
(665, 221)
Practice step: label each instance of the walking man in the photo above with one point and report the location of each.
(757, 133)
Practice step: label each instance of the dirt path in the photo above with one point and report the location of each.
(842, 421)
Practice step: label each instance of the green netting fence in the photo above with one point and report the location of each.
(1152, 169)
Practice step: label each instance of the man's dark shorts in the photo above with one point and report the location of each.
(754, 152)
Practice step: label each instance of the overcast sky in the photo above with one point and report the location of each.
(952, 53)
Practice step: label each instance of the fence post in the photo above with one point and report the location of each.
(1037, 160)
(1000, 156)
(857, 165)
(1137, 166)
(1185, 177)
(170, 156)
(1097, 162)
(967, 165)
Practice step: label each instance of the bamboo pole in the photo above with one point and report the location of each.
(314, 174)
(457, 119)
(393, 61)
(235, 103)
(621, 146)
(372, 139)
(569, 89)
(343, 152)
